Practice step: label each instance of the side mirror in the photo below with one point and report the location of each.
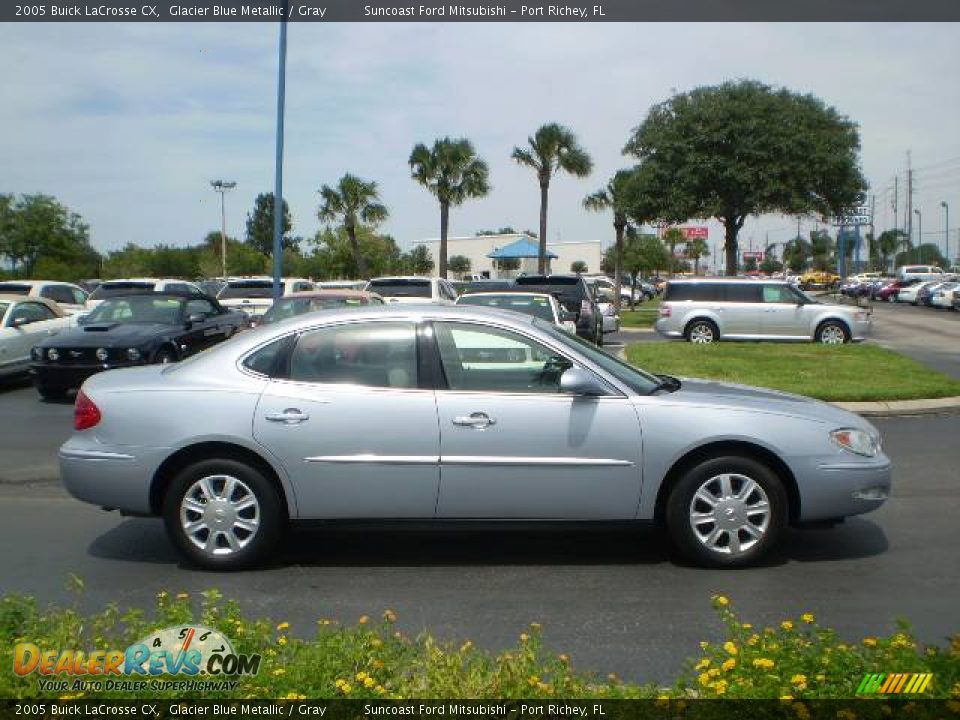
(576, 381)
(19, 321)
(195, 319)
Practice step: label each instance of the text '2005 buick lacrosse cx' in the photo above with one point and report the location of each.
(456, 414)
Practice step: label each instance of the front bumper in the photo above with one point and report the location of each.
(860, 329)
(110, 477)
(839, 486)
(68, 376)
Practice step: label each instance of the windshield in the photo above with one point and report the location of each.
(535, 306)
(137, 309)
(290, 307)
(400, 288)
(124, 288)
(247, 289)
(3, 309)
(641, 382)
(807, 300)
(14, 289)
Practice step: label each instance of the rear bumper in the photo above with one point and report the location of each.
(860, 329)
(667, 329)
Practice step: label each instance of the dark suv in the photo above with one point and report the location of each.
(574, 295)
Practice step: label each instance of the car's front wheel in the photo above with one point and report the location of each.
(832, 332)
(223, 514)
(726, 511)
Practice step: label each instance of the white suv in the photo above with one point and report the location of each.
(71, 298)
(254, 295)
(113, 288)
(413, 290)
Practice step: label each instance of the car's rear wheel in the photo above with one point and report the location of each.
(726, 511)
(702, 332)
(223, 514)
(832, 332)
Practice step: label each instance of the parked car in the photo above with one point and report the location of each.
(575, 296)
(341, 284)
(71, 298)
(541, 305)
(474, 286)
(138, 329)
(890, 292)
(331, 416)
(919, 272)
(304, 302)
(817, 279)
(413, 290)
(925, 294)
(254, 296)
(24, 321)
(704, 311)
(602, 282)
(116, 288)
(911, 293)
(943, 295)
(211, 287)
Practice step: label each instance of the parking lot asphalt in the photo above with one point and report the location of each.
(929, 335)
(615, 600)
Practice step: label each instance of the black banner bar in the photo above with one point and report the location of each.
(474, 11)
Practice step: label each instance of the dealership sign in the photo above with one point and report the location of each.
(859, 215)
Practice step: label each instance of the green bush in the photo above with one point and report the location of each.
(372, 659)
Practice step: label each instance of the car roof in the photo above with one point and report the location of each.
(508, 292)
(332, 292)
(38, 282)
(7, 298)
(178, 294)
(740, 280)
(392, 278)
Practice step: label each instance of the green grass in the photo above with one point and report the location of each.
(644, 316)
(371, 658)
(860, 372)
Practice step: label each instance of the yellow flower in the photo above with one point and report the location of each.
(799, 682)
(323, 621)
(279, 671)
(713, 672)
(182, 596)
(704, 645)
(747, 626)
(786, 697)
(344, 687)
(369, 682)
(524, 637)
(870, 642)
(283, 626)
(821, 678)
(730, 647)
(293, 696)
(763, 663)
(534, 626)
(378, 664)
(466, 647)
(720, 601)
(533, 680)
(563, 657)
(282, 640)
(729, 665)
(544, 687)
(703, 664)
(901, 641)
(807, 618)
(720, 687)
(786, 625)
(703, 679)
(364, 620)
(161, 595)
(361, 676)
(390, 616)
(376, 642)
(380, 689)
(753, 640)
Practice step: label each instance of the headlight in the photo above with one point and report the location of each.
(133, 354)
(856, 441)
(36, 353)
(53, 354)
(102, 354)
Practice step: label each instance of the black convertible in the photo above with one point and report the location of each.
(130, 330)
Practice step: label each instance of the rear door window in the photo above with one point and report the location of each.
(742, 293)
(696, 292)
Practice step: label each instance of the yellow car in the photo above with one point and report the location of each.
(818, 279)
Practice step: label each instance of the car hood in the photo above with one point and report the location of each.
(109, 335)
(710, 393)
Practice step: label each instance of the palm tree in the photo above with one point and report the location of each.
(696, 249)
(552, 148)
(452, 172)
(889, 242)
(353, 200)
(673, 237)
(615, 196)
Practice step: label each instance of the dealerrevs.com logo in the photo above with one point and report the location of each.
(188, 652)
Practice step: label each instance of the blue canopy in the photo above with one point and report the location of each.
(522, 248)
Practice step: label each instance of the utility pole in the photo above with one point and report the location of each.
(920, 232)
(221, 187)
(896, 197)
(278, 181)
(946, 231)
(873, 236)
(909, 227)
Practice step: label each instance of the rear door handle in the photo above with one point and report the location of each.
(290, 416)
(477, 420)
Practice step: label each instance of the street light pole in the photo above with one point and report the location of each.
(221, 187)
(919, 233)
(946, 231)
(278, 189)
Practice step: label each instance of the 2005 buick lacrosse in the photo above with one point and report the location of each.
(456, 414)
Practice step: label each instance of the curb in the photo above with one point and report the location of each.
(902, 407)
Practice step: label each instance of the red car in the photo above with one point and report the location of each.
(889, 292)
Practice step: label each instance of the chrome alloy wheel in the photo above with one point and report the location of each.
(219, 514)
(729, 513)
(832, 335)
(701, 333)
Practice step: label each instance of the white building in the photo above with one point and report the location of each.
(477, 248)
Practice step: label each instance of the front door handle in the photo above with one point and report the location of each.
(290, 416)
(478, 420)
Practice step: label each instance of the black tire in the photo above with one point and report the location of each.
(706, 330)
(599, 338)
(827, 330)
(680, 503)
(258, 545)
(50, 392)
(165, 356)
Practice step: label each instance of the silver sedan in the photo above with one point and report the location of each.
(451, 414)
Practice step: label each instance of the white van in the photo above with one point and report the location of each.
(919, 272)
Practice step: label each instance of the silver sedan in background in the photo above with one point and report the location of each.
(447, 413)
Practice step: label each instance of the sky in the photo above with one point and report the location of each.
(127, 124)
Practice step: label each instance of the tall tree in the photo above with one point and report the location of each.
(642, 255)
(616, 196)
(39, 226)
(795, 253)
(743, 148)
(460, 264)
(553, 148)
(697, 248)
(671, 238)
(889, 242)
(260, 225)
(351, 202)
(452, 172)
(418, 260)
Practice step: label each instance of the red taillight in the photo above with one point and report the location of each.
(85, 413)
(665, 311)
